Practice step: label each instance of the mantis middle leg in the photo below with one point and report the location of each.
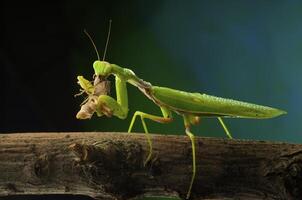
(167, 117)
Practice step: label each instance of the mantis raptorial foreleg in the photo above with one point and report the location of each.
(109, 106)
(165, 119)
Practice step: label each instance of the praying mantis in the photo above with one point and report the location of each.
(190, 106)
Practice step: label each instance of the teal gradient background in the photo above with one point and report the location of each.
(250, 51)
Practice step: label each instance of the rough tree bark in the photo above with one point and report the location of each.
(110, 166)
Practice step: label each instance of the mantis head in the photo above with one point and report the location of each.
(102, 68)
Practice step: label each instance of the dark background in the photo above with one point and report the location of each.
(245, 50)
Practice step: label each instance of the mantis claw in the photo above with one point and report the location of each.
(106, 111)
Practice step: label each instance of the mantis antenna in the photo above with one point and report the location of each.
(96, 50)
(107, 41)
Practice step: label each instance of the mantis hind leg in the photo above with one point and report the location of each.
(165, 119)
(227, 132)
(188, 122)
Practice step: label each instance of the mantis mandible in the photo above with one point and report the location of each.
(190, 106)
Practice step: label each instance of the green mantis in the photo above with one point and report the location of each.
(190, 106)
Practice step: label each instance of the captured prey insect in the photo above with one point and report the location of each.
(191, 106)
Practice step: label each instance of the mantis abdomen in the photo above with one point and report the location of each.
(210, 106)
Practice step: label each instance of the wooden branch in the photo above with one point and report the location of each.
(110, 166)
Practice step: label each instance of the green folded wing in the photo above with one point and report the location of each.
(207, 105)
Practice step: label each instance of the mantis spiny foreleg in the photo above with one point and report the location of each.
(109, 106)
(101, 103)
